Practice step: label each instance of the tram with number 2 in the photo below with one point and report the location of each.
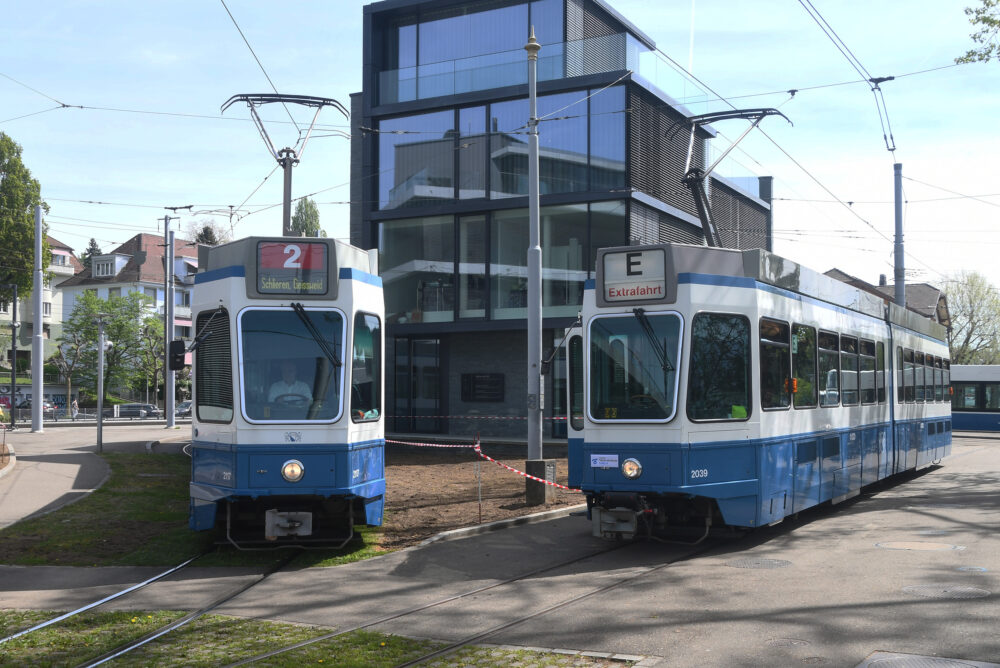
(720, 387)
(287, 430)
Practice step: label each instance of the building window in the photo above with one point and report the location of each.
(417, 167)
(60, 260)
(114, 292)
(4, 307)
(509, 264)
(607, 139)
(47, 309)
(104, 268)
(473, 143)
(417, 260)
(472, 267)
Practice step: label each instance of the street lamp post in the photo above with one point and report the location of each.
(13, 347)
(100, 380)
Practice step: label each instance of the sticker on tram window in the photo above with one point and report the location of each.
(603, 461)
(292, 268)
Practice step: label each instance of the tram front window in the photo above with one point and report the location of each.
(633, 366)
(291, 364)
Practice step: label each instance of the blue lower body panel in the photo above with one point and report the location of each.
(753, 483)
(339, 478)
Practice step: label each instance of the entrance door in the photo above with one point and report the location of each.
(417, 388)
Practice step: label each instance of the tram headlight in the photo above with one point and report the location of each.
(292, 470)
(631, 468)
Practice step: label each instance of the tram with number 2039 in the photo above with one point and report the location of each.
(720, 387)
(287, 431)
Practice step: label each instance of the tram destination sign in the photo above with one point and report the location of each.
(635, 275)
(292, 268)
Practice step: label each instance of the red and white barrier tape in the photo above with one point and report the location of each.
(478, 449)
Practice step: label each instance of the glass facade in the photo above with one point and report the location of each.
(422, 261)
(453, 50)
(417, 160)
(581, 148)
(417, 264)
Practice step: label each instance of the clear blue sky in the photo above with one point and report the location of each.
(187, 57)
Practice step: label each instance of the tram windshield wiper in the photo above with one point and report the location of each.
(647, 328)
(323, 344)
(205, 331)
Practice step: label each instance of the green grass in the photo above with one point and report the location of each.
(139, 517)
(212, 640)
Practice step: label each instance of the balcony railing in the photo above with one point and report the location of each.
(506, 68)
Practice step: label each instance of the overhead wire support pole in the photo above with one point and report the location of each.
(168, 314)
(286, 157)
(899, 268)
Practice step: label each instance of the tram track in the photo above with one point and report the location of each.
(472, 638)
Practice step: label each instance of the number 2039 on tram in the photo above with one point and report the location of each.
(714, 386)
(287, 430)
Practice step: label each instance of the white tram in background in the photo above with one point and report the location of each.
(287, 425)
(715, 386)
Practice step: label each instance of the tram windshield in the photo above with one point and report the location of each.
(290, 364)
(632, 376)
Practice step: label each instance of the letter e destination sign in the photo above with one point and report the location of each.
(634, 276)
(288, 268)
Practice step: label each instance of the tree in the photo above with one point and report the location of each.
(123, 317)
(150, 351)
(19, 195)
(207, 232)
(68, 357)
(305, 220)
(986, 17)
(92, 249)
(974, 305)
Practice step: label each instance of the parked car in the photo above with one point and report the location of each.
(183, 409)
(47, 406)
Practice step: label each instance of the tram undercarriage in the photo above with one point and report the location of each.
(306, 521)
(623, 516)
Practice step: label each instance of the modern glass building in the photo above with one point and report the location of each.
(439, 187)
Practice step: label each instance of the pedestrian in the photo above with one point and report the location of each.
(74, 408)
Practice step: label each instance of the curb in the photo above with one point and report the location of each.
(465, 532)
(11, 462)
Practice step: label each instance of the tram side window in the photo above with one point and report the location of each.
(804, 388)
(991, 396)
(938, 385)
(946, 379)
(867, 375)
(775, 361)
(719, 379)
(366, 369)
(908, 376)
(213, 364)
(965, 397)
(848, 370)
(918, 377)
(829, 368)
(575, 348)
(880, 370)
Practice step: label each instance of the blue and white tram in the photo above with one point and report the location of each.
(975, 404)
(288, 437)
(737, 387)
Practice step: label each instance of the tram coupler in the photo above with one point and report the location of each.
(614, 523)
(288, 523)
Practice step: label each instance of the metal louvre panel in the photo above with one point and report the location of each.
(741, 224)
(649, 226)
(659, 150)
(597, 23)
(214, 364)
(595, 55)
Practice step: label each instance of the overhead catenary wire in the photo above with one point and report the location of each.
(260, 64)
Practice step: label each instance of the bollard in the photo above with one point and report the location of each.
(538, 493)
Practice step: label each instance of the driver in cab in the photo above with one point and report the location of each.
(288, 389)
